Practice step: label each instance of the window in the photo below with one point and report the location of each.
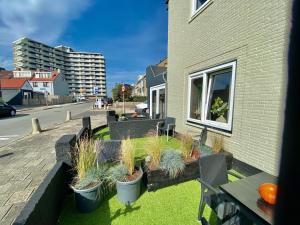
(45, 84)
(34, 84)
(210, 99)
(198, 4)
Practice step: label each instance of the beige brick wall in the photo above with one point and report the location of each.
(255, 34)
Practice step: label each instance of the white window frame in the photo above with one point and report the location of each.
(194, 5)
(206, 88)
(155, 88)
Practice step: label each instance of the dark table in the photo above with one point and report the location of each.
(244, 193)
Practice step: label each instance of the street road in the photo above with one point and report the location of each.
(12, 128)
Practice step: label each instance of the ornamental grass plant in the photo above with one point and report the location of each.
(172, 162)
(153, 149)
(127, 155)
(217, 142)
(85, 157)
(186, 144)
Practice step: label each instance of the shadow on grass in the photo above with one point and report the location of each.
(103, 215)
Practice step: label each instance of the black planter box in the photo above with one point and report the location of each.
(206, 150)
(156, 179)
(229, 159)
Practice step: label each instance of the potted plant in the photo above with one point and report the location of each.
(88, 184)
(126, 175)
(197, 113)
(218, 110)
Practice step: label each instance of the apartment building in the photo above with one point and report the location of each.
(226, 72)
(140, 87)
(82, 70)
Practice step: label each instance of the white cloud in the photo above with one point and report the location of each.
(41, 20)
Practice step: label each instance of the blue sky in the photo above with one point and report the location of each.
(131, 34)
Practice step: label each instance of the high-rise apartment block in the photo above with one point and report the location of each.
(82, 70)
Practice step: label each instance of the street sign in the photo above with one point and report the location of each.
(96, 90)
(123, 88)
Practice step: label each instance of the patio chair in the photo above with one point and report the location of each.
(166, 126)
(213, 173)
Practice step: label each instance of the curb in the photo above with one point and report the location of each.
(48, 107)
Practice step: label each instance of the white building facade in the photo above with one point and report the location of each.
(49, 83)
(82, 70)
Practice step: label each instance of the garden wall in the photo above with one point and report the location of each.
(134, 129)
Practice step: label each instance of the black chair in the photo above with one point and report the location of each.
(166, 126)
(213, 173)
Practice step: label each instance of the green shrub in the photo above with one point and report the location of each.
(172, 162)
(139, 98)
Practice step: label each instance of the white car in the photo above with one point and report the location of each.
(142, 107)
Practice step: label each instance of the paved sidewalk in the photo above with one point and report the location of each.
(25, 163)
(38, 108)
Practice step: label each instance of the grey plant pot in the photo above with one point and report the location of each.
(87, 200)
(128, 192)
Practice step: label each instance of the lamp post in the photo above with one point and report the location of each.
(123, 91)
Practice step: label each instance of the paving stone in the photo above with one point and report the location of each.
(20, 185)
(4, 188)
(12, 214)
(4, 210)
(20, 176)
(19, 197)
(5, 179)
(4, 198)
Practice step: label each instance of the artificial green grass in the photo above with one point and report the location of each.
(174, 205)
(140, 143)
(103, 134)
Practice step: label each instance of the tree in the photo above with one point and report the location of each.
(118, 95)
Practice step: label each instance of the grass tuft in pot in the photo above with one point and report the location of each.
(127, 155)
(85, 158)
(172, 162)
(186, 145)
(124, 170)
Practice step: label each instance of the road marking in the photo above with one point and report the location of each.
(7, 137)
(3, 139)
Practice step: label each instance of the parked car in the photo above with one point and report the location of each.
(142, 107)
(7, 110)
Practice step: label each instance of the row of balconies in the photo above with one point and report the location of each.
(54, 54)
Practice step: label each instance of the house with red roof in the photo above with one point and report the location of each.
(47, 82)
(13, 90)
(51, 83)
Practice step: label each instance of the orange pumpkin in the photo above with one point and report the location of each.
(268, 192)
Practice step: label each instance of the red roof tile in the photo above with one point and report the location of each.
(12, 83)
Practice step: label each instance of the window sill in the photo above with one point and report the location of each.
(211, 129)
(200, 10)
